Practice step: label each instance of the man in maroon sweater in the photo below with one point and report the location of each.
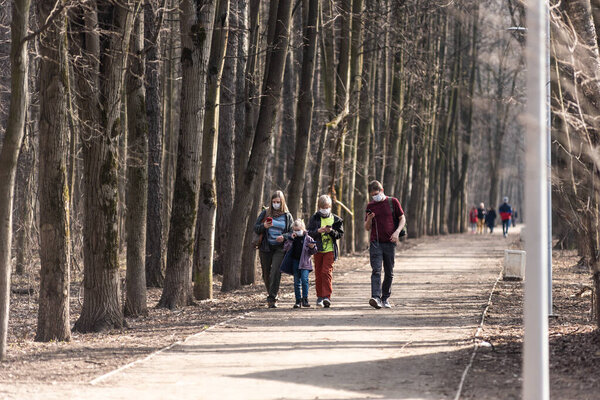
(385, 219)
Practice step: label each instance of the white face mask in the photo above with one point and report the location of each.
(325, 211)
(379, 197)
(299, 233)
(276, 206)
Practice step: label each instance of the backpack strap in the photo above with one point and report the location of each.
(390, 202)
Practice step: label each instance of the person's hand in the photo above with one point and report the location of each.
(311, 245)
(370, 216)
(279, 239)
(267, 225)
(395, 236)
(327, 229)
(322, 229)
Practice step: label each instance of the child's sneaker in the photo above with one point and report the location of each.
(305, 302)
(326, 302)
(298, 304)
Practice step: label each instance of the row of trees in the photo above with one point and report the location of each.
(153, 130)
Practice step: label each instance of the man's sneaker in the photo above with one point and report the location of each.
(298, 304)
(375, 302)
(305, 302)
(386, 304)
(273, 304)
(319, 302)
(326, 302)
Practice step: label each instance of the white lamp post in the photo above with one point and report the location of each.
(535, 349)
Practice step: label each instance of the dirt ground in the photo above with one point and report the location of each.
(574, 343)
(573, 338)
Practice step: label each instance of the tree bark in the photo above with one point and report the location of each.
(225, 170)
(25, 201)
(365, 129)
(154, 226)
(305, 107)
(53, 313)
(197, 18)
(10, 152)
(207, 211)
(100, 83)
(137, 176)
(247, 187)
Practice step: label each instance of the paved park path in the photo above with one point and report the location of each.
(419, 349)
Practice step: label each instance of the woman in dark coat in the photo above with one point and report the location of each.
(275, 224)
(490, 219)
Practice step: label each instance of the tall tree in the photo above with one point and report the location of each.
(228, 125)
(207, 200)
(249, 184)
(53, 313)
(105, 43)
(197, 18)
(154, 227)
(137, 175)
(305, 104)
(10, 152)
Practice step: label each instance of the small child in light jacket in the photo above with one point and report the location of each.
(297, 261)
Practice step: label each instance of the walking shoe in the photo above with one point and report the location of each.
(326, 302)
(319, 302)
(375, 302)
(386, 304)
(273, 304)
(298, 304)
(305, 302)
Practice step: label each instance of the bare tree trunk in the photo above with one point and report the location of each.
(100, 83)
(53, 314)
(225, 170)
(245, 133)
(197, 18)
(247, 187)
(154, 226)
(10, 152)
(365, 129)
(207, 201)
(25, 201)
(305, 106)
(137, 176)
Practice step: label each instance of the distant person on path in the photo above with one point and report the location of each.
(473, 219)
(385, 219)
(490, 219)
(275, 224)
(297, 261)
(480, 218)
(325, 228)
(514, 217)
(505, 215)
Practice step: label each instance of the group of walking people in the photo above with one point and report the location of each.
(289, 246)
(479, 217)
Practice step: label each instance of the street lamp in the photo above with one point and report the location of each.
(535, 350)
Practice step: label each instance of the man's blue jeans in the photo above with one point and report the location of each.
(505, 225)
(300, 280)
(382, 254)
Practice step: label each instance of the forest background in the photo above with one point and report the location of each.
(145, 136)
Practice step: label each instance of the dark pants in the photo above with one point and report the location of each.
(270, 262)
(505, 225)
(382, 253)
